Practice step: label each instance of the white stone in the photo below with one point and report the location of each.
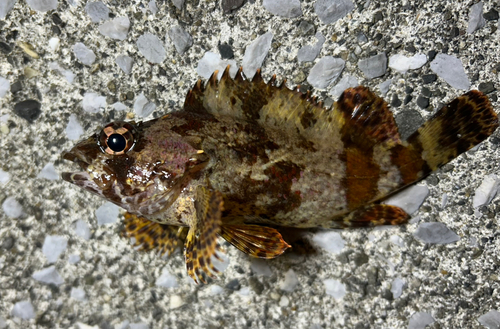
(116, 29)
(490, 320)
(73, 259)
(3, 324)
(402, 63)
(153, 7)
(486, 191)
(93, 102)
(53, 247)
(420, 320)
(143, 107)
(397, 240)
(178, 4)
(82, 229)
(215, 290)
(334, 288)
(347, 81)
(48, 275)
(211, 62)
(48, 172)
(476, 19)
(139, 325)
(97, 11)
(325, 71)
(80, 325)
(166, 280)
(374, 66)
(176, 301)
(73, 129)
(54, 44)
(151, 47)
(397, 287)
(4, 177)
(435, 233)
(284, 301)
(309, 53)
(260, 267)
(125, 63)
(409, 199)
(67, 74)
(289, 282)
(119, 106)
(43, 5)
(4, 86)
(330, 11)
(5, 7)
(23, 310)
(84, 54)
(12, 208)
(384, 86)
(283, 8)
(78, 294)
(107, 214)
(451, 69)
(181, 39)
(255, 54)
(331, 241)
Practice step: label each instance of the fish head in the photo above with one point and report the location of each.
(140, 167)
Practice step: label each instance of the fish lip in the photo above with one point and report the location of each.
(80, 159)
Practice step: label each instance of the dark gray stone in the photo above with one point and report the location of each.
(29, 110)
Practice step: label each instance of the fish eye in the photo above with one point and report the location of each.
(117, 138)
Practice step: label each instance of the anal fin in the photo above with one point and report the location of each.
(254, 240)
(150, 235)
(373, 215)
(201, 243)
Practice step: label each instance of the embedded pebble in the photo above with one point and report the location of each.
(410, 199)
(283, 8)
(48, 172)
(48, 275)
(325, 71)
(490, 320)
(23, 310)
(451, 70)
(260, 267)
(97, 11)
(54, 44)
(43, 5)
(151, 47)
(107, 213)
(402, 63)
(290, 281)
(73, 129)
(139, 325)
(117, 28)
(397, 240)
(166, 280)
(93, 102)
(78, 294)
(181, 39)
(216, 290)
(397, 287)
(4, 177)
(67, 74)
(82, 229)
(284, 301)
(176, 301)
(347, 81)
(420, 320)
(331, 241)
(309, 53)
(330, 11)
(178, 3)
(334, 288)
(476, 19)
(153, 7)
(125, 63)
(374, 66)
(119, 106)
(210, 62)
(435, 233)
(53, 247)
(143, 107)
(84, 54)
(73, 259)
(29, 110)
(486, 191)
(5, 7)
(12, 208)
(255, 54)
(4, 86)
(384, 86)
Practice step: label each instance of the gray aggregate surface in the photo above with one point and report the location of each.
(455, 283)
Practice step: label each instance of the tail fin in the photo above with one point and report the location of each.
(454, 129)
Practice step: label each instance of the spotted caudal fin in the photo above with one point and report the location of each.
(454, 129)
(201, 242)
(149, 235)
(254, 240)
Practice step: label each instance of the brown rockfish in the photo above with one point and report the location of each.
(245, 157)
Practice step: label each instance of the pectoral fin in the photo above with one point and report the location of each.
(373, 215)
(257, 241)
(150, 235)
(201, 242)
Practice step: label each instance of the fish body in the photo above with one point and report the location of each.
(243, 158)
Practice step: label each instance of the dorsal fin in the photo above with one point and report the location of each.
(368, 120)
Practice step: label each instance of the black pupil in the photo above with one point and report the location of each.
(117, 142)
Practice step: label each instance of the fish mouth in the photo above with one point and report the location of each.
(76, 177)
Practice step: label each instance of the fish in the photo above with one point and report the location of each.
(244, 158)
